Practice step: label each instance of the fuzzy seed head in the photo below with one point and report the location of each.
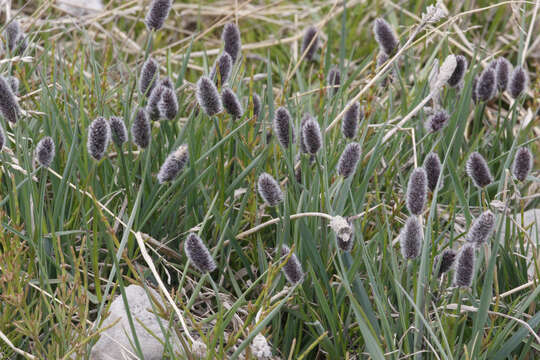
(344, 232)
(518, 82)
(351, 119)
(256, 100)
(15, 39)
(487, 85)
(311, 136)
(310, 42)
(198, 254)
(260, 348)
(208, 96)
(99, 135)
(283, 127)
(349, 160)
(13, 84)
(478, 170)
(444, 261)
(437, 121)
(417, 191)
(334, 79)
(222, 68)
(446, 71)
(385, 36)
(231, 103)
(45, 151)
(168, 104)
(231, 41)
(305, 118)
(474, 95)
(174, 164)
(481, 228)
(410, 239)
(292, 269)
(149, 75)
(432, 166)
(140, 129)
(503, 69)
(269, 189)
(9, 108)
(152, 107)
(118, 130)
(459, 71)
(465, 260)
(157, 14)
(523, 163)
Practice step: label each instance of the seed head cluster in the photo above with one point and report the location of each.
(140, 129)
(503, 69)
(518, 82)
(118, 130)
(149, 75)
(310, 43)
(432, 166)
(348, 160)
(198, 254)
(15, 38)
(292, 269)
(417, 191)
(283, 127)
(385, 36)
(174, 164)
(351, 119)
(478, 170)
(256, 101)
(334, 79)
(523, 163)
(459, 71)
(269, 189)
(222, 68)
(157, 14)
(208, 96)
(486, 86)
(13, 84)
(45, 151)
(168, 104)
(9, 108)
(231, 41)
(99, 135)
(437, 121)
(481, 228)
(463, 276)
(444, 262)
(411, 237)
(311, 136)
(231, 103)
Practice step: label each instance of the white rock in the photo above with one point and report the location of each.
(80, 7)
(115, 342)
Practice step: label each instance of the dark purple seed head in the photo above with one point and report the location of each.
(152, 107)
(140, 129)
(303, 148)
(444, 262)
(478, 170)
(231, 41)
(9, 108)
(437, 121)
(351, 119)
(149, 75)
(385, 36)
(311, 136)
(45, 151)
(231, 103)
(432, 166)
(310, 43)
(487, 85)
(334, 80)
(208, 96)
(15, 39)
(481, 228)
(166, 82)
(256, 101)
(99, 135)
(292, 269)
(168, 104)
(118, 130)
(503, 70)
(349, 160)
(465, 260)
(13, 84)
(523, 163)
(411, 237)
(459, 71)
(417, 191)
(269, 190)
(174, 164)
(222, 69)
(283, 127)
(2, 138)
(157, 14)
(198, 254)
(382, 58)
(518, 82)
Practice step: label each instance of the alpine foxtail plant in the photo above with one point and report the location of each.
(503, 69)
(149, 75)
(417, 191)
(157, 14)
(231, 103)
(292, 269)
(9, 108)
(486, 85)
(459, 71)
(208, 96)
(198, 254)
(437, 121)
(310, 43)
(174, 164)
(232, 44)
(348, 161)
(222, 68)
(140, 129)
(99, 135)
(410, 239)
(45, 151)
(523, 163)
(481, 228)
(118, 130)
(283, 127)
(385, 36)
(334, 80)
(168, 104)
(269, 189)
(518, 82)
(466, 257)
(311, 136)
(351, 119)
(478, 170)
(444, 262)
(432, 166)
